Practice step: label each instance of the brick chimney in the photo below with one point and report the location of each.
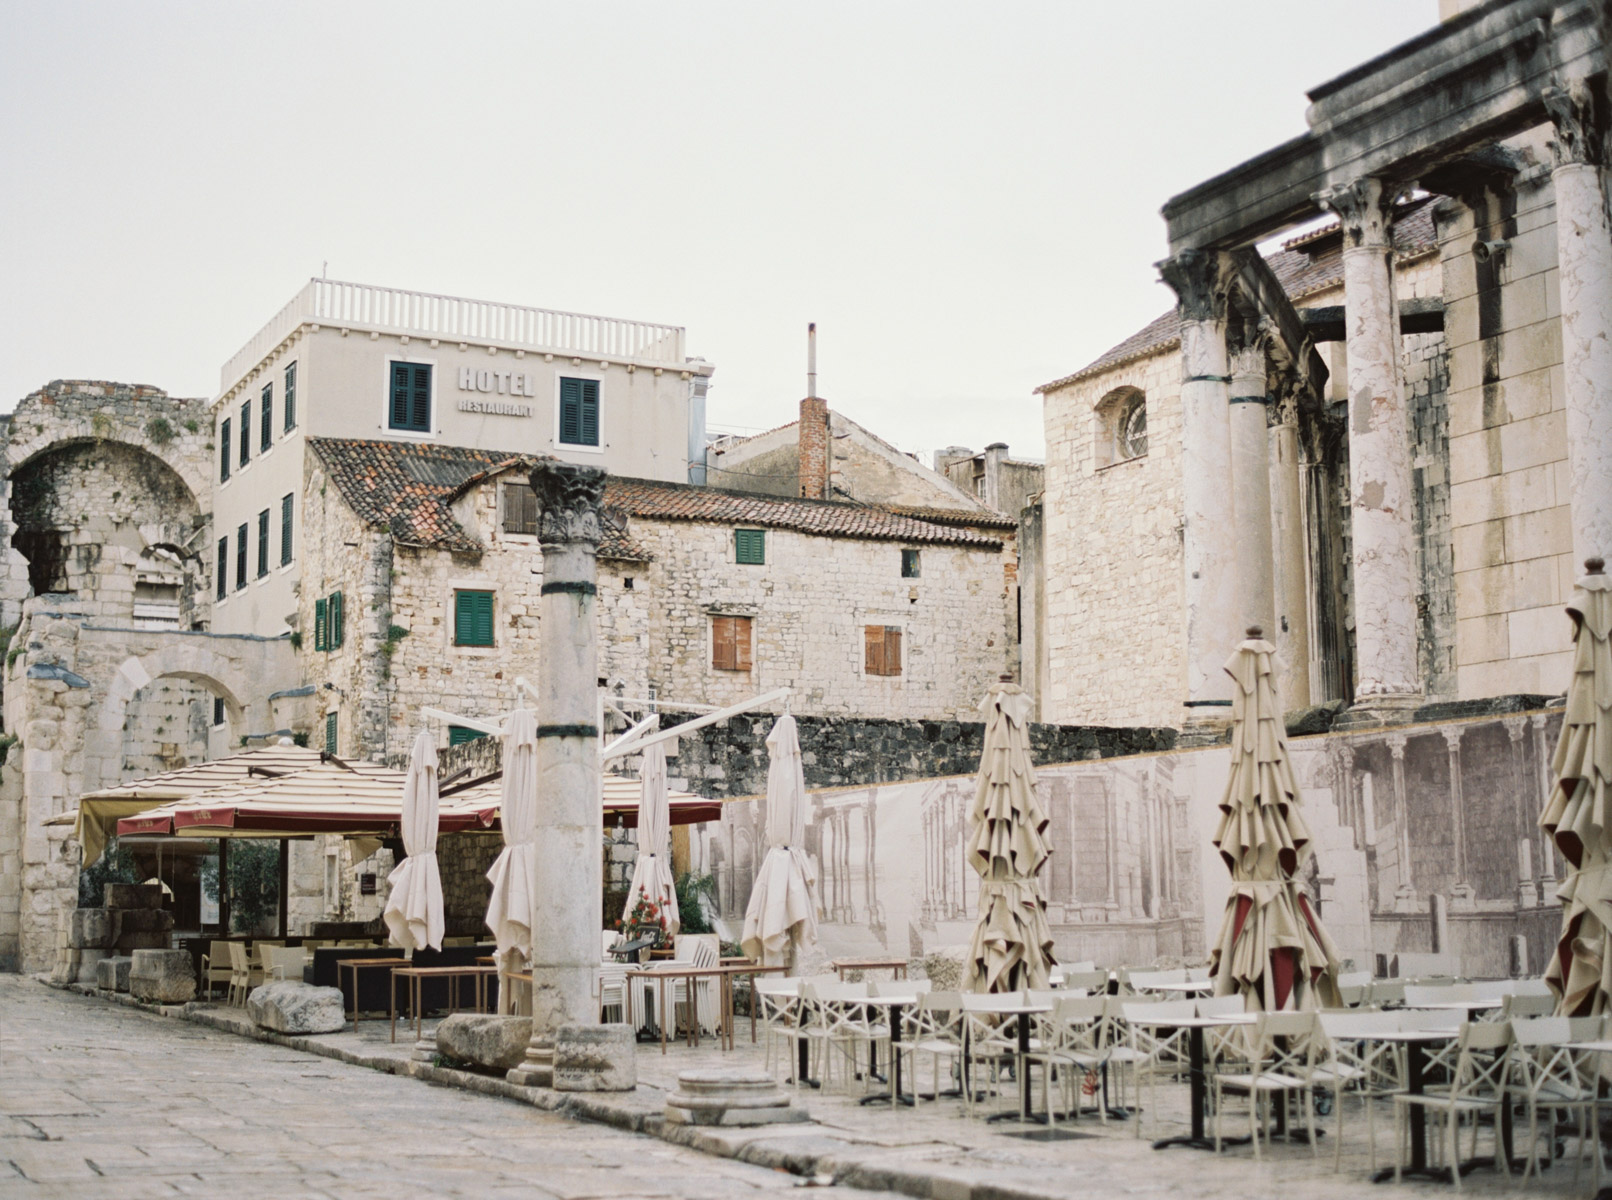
(814, 448)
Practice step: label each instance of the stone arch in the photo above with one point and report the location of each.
(1120, 425)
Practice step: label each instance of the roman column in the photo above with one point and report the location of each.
(1209, 543)
(1584, 256)
(1290, 553)
(566, 917)
(1387, 683)
(1251, 487)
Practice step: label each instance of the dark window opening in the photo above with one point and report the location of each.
(46, 551)
(909, 564)
(520, 508)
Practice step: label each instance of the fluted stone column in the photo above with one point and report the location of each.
(1209, 546)
(570, 818)
(1383, 534)
(1584, 256)
(1251, 489)
(1290, 555)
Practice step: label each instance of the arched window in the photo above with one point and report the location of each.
(1121, 426)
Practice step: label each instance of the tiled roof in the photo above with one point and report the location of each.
(1306, 265)
(656, 501)
(410, 488)
(976, 518)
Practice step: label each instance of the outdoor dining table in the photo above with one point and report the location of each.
(1022, 1013)
(413, 976)
(1198, 1073)
(896, 966)
(1188, 987)
(357, 964)
(1414, 1041)
(724, 974)
(894, 1005)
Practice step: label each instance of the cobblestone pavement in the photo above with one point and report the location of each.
(98, 1100)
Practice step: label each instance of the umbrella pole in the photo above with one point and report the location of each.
(223, 887)
(284, 882)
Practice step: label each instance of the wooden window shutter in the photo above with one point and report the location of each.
(590, 412)
(420, 417)
(400, 396)
(246, 432)
(266, 418)
(750, 546)
(263, 543)
(723, 654)
(571, 411)
(484, 619)
(287, 504)
(473, 619)
(892, 650)
(223, 567)
(319, 624)
(335, 617)
(290, 402)
(223, 451)
(742, 628)
(330, 733)
(458, 735)
(873, 650)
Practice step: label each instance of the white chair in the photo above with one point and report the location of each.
(612, 991)
(1546, 1074)
(781, 1019)
(1071, 1051)
(215, 967)
(285, 962)
(1522, 1005)
(698, 950)
(1154, 1043)
(1282, 1054)
(1354, 1061)
(992, 1037)
(934, 1027)
(1479, 1086)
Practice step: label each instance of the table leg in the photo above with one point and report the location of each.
(1415, 1069)
(661, 983)
(391, 1001)
(895, 1052)
(752, 1009)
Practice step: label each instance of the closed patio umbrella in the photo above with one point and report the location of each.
(652, 873)
(1578, 814)
(1012, 944)
(413, 911)
(514, 872)
(1272, 949)
(781, 919)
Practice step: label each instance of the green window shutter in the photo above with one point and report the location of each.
(473, 618)
(223, 451)
(420, 412)
(400, 396)
(287, 508)
(246, 432)
(266, 418)
(290, 404)
(571, 411)
(240, 557)
(330, 733)
(319, 624)
(263, 543)
(458, 735)
(590, 412)
(223, 567)
(336, 616)
(750, 546)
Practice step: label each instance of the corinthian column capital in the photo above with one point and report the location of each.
(570, 502)
(1362, 206)
(1580, 129)
(1198, 282)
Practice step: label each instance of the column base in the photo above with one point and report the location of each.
(1405, 900)
(538, 1069)
(1374, 712)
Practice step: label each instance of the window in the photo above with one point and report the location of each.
(330, 733)
(266, 420)
(319, 622)
(472, 618)
(223, 567)
(730, 643)
(458, 735)
(1121, 432)
(909, 564)
(263, 543)
(579, 412)
(246, 432)
(223, 452)
(520, 508)
(750, 546)
(240, 557)
(290, 403)
(329, 622)
(218, 710)
(411, 397)
(287, 507)
(881, 649)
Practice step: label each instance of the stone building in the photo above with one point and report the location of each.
(1386, 443)
(993, 477)
(349, 360)
(422, 575)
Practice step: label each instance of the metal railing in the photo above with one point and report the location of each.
(452, 318)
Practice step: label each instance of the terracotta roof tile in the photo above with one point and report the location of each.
(1306, 265)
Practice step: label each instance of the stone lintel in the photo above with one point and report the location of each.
(1416, 315)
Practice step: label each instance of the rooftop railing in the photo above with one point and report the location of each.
(452, 318)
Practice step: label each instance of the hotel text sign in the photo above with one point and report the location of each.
(508, 383)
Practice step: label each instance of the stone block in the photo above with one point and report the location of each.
(594, 1058)
(133, 895)
(66, 968)
(289, 1006)
(92, 927)
(495, 1042)
(144, 920)
(88, 961)
(112, 974)
(730, 1096)
(165, 976)
(141, 940)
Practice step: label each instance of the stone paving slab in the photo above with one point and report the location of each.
(931, 1151)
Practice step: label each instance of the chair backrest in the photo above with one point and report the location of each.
(937, 1016)
(1526, 1004)
(788, 985)
(1219, 1006)
(1526, 987)
(683, 946)
(1286, 1042)
(1197, 974)
(238, 961)
(705, 954)
(1142, 980)
(1387, 992)
(1419, 993)
(1355, 994)
(1340, 1024)
(991, 1001)
(1161, 1013)
(1354, 979)
(1482, 1066)
(1093, 980)
(1430, 1018)
(1043, 996)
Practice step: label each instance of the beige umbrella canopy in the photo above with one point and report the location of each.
(652, 873)
(413, 910)
(511, 907)
(1578, 815)
(1012, 944)
(1272, 949)
(780, 921)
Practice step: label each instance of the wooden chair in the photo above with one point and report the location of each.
(215, 967)
(240, 980)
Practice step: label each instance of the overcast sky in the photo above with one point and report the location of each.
(964, 196)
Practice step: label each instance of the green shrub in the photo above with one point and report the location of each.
(159, 431)
(690, 912)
